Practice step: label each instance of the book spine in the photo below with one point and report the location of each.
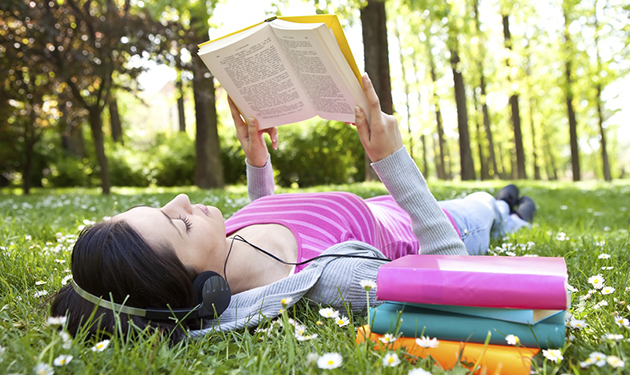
(471, 288)
(455, 327)
(492, 359)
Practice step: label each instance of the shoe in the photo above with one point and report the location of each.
(509, 194)
(526, 209)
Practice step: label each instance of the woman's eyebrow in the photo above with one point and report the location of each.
(171, 221)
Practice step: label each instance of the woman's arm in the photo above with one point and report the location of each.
(260, 180)
(383, 143)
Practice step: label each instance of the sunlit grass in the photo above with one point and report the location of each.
(587, 223)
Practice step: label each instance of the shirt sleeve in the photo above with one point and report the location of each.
(260, 180)
(407, 186)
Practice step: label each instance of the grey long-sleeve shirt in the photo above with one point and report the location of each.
(333, 281)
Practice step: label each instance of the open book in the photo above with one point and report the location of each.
(288, 69)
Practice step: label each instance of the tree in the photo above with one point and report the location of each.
(86, 42)
(376, 54)
(482, 89)
(467, 167)
(514, 106)
(193, 18)
(568, 91)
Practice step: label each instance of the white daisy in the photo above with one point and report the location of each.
(612, 337)
(40, 282)
(40, 293)
(303, 337)
(329, 312)
(56, 320)
(597, 281)
(43, 369)
(426, 342)
(577, 323)
(342, 321)
(512, 339)
(387, 338)
(553, 355)
(329, 361)
(368, 285)
(600, 304)
(608, 290)
(286, 301)
(100, 346)
(391, 360)
(586, 363)
(62, 360)
(598, 359)
(615, 361)
(604, 256)
(621, 321)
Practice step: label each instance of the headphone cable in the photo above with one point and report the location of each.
(238, 237)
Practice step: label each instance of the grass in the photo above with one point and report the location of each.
(577, 221)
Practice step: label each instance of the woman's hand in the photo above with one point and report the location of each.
(381, 137)
(251, 138)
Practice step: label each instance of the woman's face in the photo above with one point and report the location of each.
(196, 232)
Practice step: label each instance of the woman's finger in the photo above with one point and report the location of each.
(373, 101)
(273, 134)
(241, 127)
(363, 128)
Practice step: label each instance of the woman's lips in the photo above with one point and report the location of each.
(204, 209)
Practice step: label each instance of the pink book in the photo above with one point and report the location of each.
(483, 281)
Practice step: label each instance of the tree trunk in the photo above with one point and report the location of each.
(96, 125)
(114, 120)
(208, 166)
(550, 164)
(568, 90)
(467, 166)
(482, 86)
(483, 166)
(521, 172)
(181, 115)
(375, 50)
(407, 90)
(600, 111)
(440, 161)
(533, 130)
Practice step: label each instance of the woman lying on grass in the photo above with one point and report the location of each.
(150, 258)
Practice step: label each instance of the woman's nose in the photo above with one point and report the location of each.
(179, 203)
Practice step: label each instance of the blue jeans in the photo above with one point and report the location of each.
(478, 217)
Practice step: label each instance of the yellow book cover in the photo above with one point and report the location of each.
(491, 359)
(288, 69)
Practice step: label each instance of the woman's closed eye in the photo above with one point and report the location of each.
(186, 222)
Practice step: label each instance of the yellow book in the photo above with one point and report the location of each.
(288, 69)
(491, 359)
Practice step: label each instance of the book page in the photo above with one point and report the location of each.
(332, 91)
(259, 78)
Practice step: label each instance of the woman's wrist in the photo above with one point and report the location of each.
(257, 162)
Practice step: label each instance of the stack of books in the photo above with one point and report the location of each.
(471, 304)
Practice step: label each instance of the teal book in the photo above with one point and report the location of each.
(413, 321)
(523, 316)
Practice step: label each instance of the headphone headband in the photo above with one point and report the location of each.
(211, 290)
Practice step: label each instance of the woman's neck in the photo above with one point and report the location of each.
(248, 268)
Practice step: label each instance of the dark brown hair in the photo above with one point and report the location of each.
(111, 259)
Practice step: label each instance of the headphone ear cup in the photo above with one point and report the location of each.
(213, 292)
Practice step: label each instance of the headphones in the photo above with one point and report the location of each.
(211, 291)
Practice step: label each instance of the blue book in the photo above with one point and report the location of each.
(413, 321)
(523, 316)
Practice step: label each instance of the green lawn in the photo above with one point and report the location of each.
(587, 223)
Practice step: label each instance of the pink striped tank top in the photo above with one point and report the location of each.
(321, 220)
